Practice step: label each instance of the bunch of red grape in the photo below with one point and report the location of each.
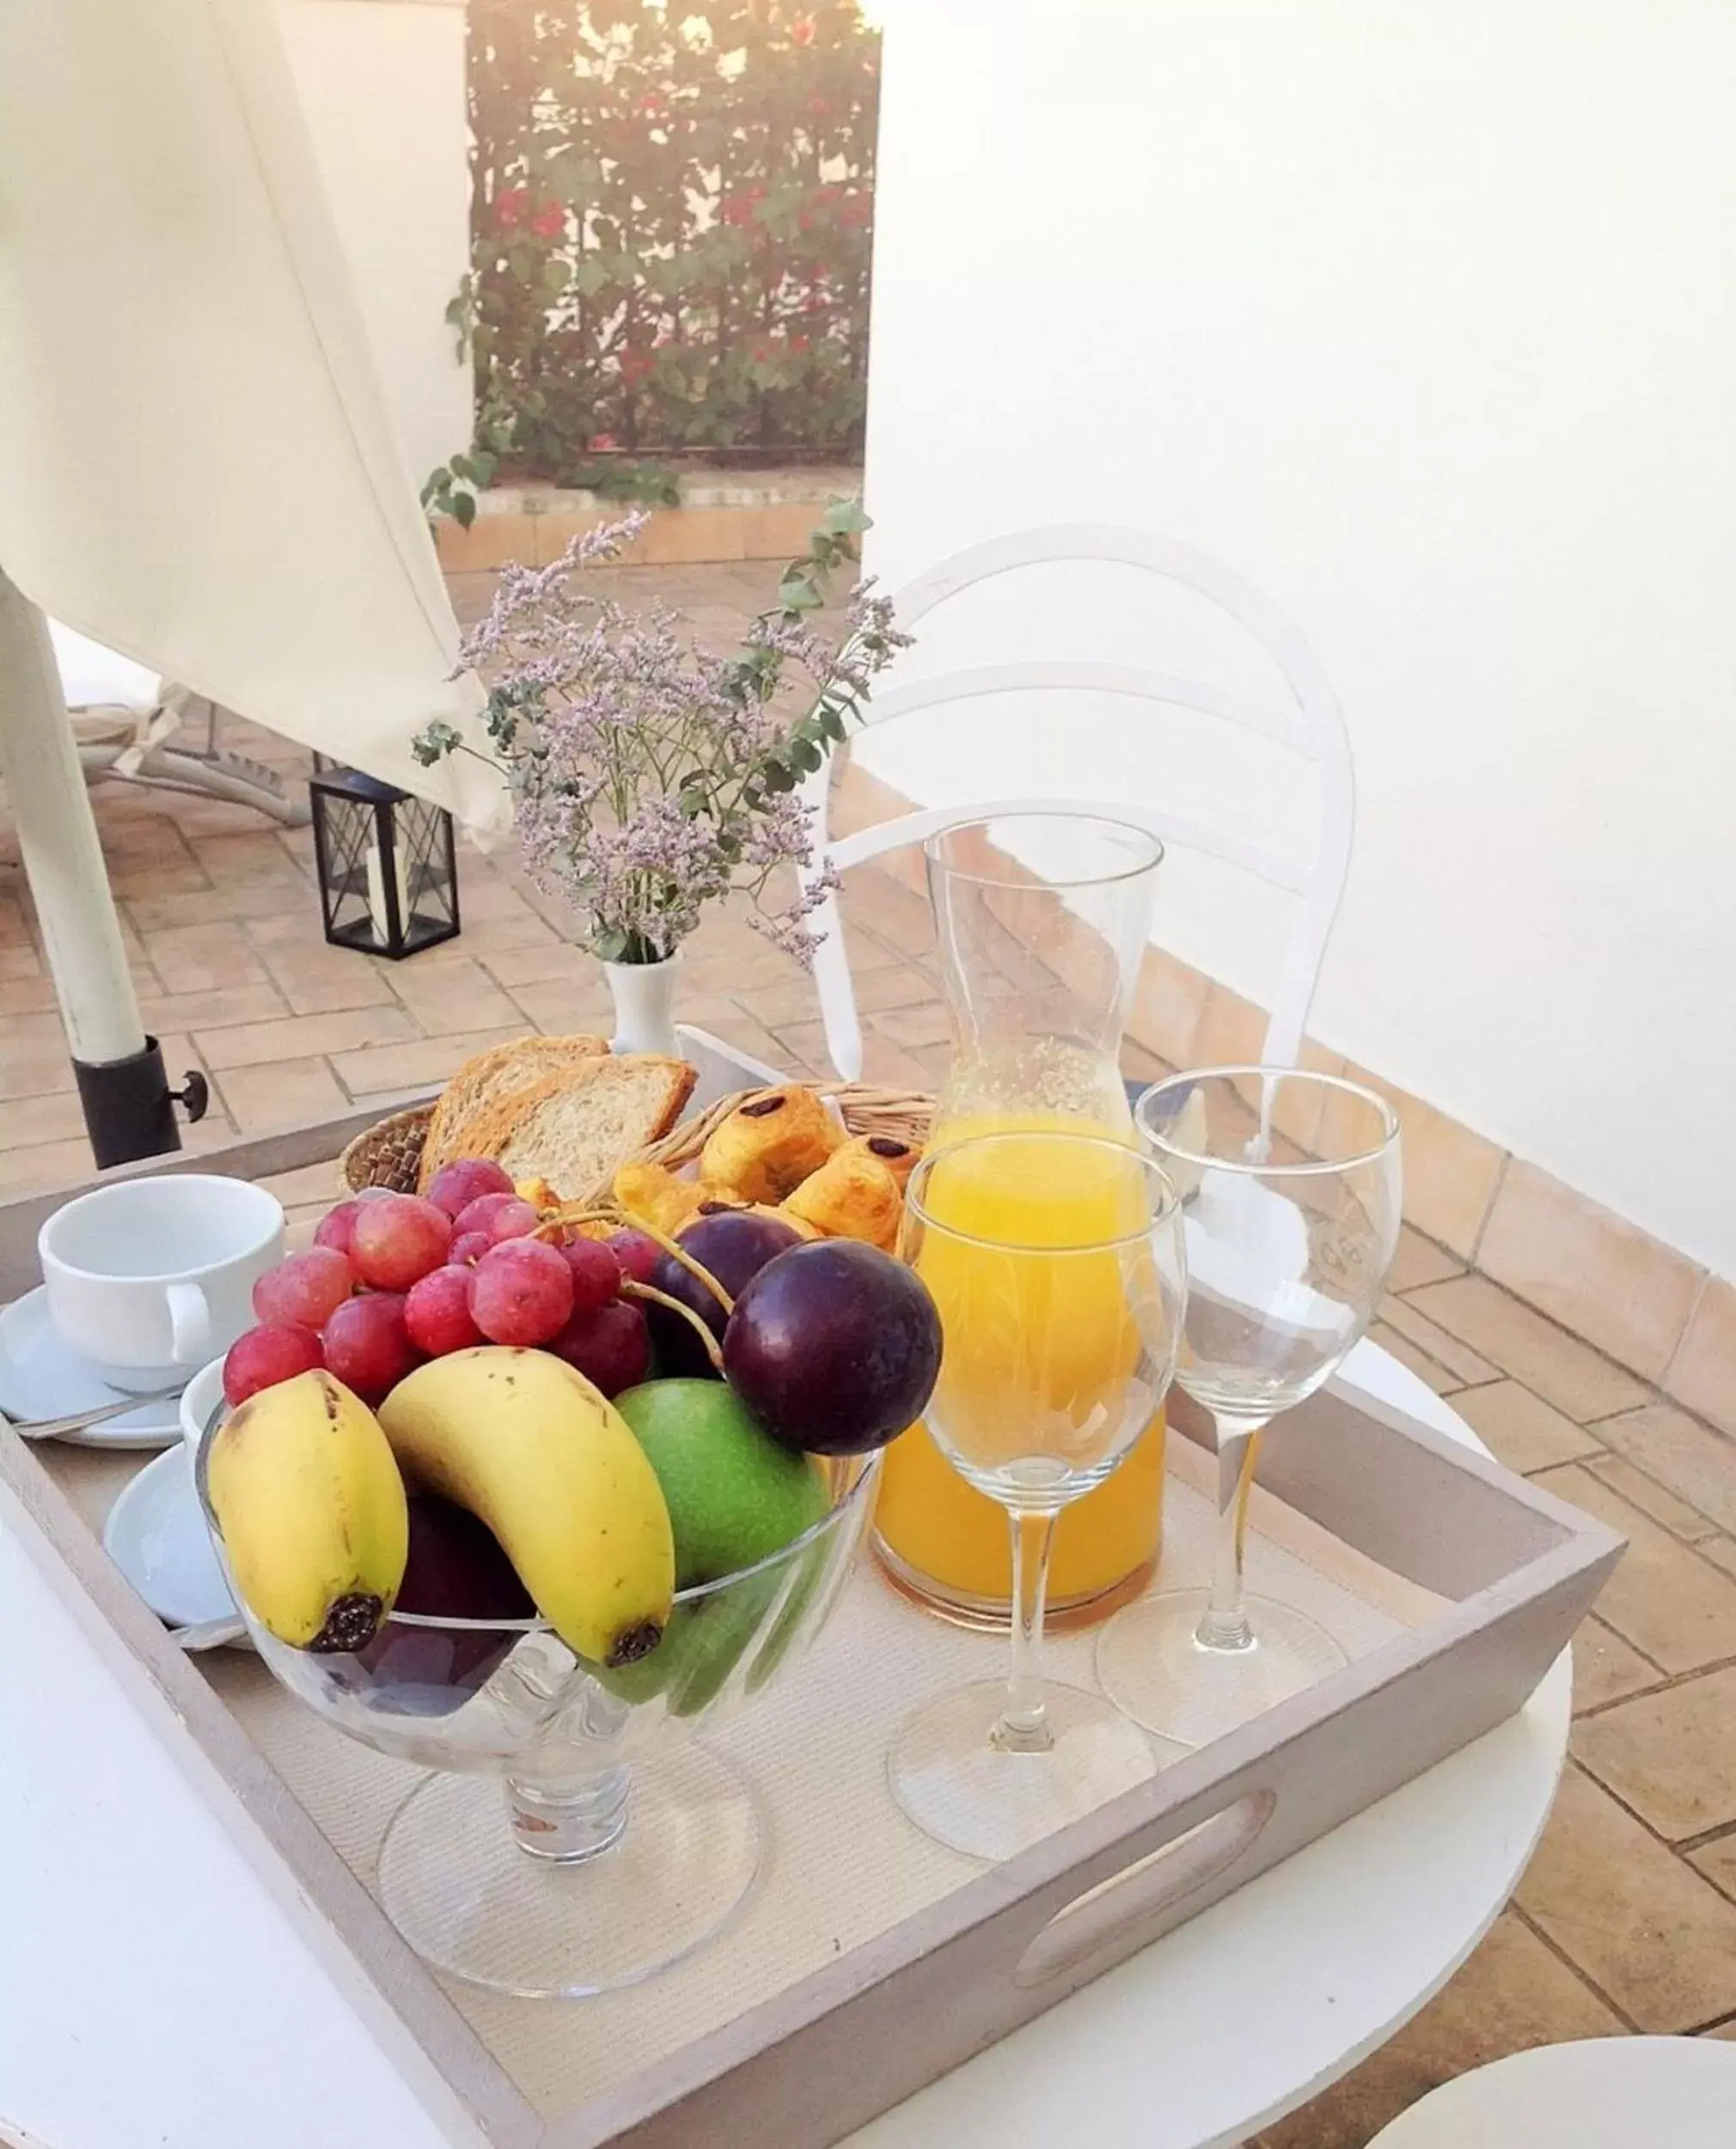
(392, 1279)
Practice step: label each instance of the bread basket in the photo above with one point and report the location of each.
(386, 1154)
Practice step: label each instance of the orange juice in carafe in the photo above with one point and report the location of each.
(947, 1544)
(1042, 920)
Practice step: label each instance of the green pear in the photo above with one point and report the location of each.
(735, 1494)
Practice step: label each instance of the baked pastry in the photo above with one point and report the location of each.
(657, 1197)
(852, 1196)
(900, 1158)
(487, 1082)
(769, 1144)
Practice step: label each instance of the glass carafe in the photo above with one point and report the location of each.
(1042, 920)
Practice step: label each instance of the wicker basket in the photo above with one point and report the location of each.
(387, 1155)
(904, 1115)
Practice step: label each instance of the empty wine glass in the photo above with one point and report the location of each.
(1290, 1186)
(1055, 1259)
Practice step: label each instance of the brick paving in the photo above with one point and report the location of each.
(1626, 1919)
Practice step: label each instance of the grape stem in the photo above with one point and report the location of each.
(630, 1289)
(624, 1219)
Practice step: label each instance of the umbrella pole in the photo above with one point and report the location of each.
(122, 1088)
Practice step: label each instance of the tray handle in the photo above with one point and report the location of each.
(1098, 1921)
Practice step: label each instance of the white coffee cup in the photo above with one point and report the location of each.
(149, 1279)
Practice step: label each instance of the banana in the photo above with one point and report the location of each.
(312, 1510)
(525, 1442)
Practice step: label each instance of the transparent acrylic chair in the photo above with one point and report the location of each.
(1303, 719)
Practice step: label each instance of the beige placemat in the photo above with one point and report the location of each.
(842, 1864)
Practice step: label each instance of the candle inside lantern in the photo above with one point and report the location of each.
(377, 894)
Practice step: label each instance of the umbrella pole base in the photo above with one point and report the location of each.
(129, 1107)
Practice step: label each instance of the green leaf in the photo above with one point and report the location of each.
(805, 757)
(832, 722)
(797, 592)
(556, 272)
(433, 743)
(464, 509)
(844, 519)
(610, 946)
(778, 777)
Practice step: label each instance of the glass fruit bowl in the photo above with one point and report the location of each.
(572, 1836)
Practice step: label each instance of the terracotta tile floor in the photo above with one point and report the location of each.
(1626, 1919)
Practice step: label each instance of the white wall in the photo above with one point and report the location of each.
(383, 86)
(1424, 317)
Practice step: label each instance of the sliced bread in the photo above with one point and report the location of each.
(488, 1080)
(586, 1121)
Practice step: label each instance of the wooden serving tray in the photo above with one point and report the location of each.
(869, 1960)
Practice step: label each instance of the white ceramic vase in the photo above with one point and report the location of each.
(645, 1006)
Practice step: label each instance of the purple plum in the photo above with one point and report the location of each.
(834, 1347)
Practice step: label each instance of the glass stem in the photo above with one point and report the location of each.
(569, 1820)
(1225, 1625)
(1023, 1725)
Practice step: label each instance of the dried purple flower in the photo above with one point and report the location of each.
(650, 778)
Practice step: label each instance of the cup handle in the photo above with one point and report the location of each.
(189, 1316)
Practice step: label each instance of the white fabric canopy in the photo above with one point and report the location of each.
(199, 470)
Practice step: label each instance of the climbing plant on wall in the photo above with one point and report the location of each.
(671, 226)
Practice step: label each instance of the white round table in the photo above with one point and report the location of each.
(136, 2012)
(1601, 2093)
(1259, 2003)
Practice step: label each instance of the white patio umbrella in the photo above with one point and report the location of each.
(199, 469)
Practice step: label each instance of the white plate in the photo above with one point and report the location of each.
(156, 1536)
(41, 1377)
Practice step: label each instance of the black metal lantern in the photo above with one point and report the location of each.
(387, 864)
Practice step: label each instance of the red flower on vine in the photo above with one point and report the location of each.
(855, 211)
(798, 343)
(738, 208)
(820, 107)
(652, 107)
(509, 207)
(600, 443)
(550, 221)
(761, 354)
(802, 30)
(635, 366)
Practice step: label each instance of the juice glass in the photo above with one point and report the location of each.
(943, 1541)
(1055, 1261)
(1043, 919)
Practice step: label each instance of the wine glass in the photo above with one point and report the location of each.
(1290, 1186)
(1055, 1261)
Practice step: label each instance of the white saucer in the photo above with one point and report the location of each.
(156, 1536)
(41, 1377)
